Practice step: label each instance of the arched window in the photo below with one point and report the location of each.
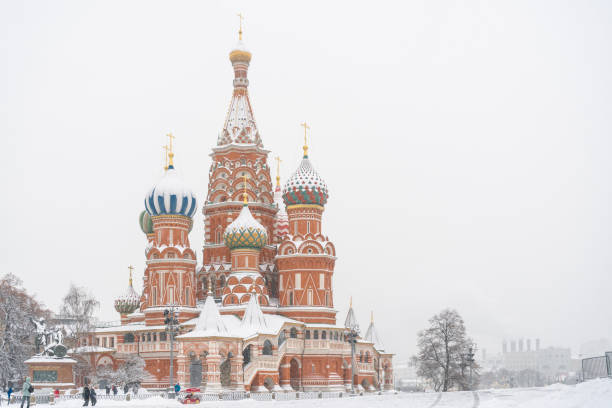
(281, 338)
(367, 357)
(293, 333)
(316, 334)
(128, 338)
(336, 336)
(307, 334)
(148, 336)
(246, 355)
(267, 348)
(361, 356)
(324, 335)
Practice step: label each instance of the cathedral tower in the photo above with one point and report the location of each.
(239, 163)
(170, 273)
(306, 257)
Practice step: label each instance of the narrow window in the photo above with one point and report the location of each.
(171, 295)
(324, 335)
(298, 281)
(316, 334)
(308, 227)
(307, 334)
(309, 297)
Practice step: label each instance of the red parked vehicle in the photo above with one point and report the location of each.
(191, 398)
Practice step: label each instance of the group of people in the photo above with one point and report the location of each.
(26, 392)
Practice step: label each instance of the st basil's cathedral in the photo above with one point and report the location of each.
(258, 313)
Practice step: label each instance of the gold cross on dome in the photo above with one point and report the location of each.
(245, 195)
(306, 128)
(170, 136)
(241, 17)
(278, 162)
(131, 268)
(166, 156)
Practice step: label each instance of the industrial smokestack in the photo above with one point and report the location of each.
(521, 345)
(528, 344)
(513, 346)
(504, 346)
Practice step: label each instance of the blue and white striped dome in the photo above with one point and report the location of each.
(170, 196)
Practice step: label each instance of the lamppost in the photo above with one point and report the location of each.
(351, 336)
(469, 359)
(172, 327)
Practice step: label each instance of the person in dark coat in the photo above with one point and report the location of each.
(126, 389)
(107, 390)
(92, 396)
(114, 390)
(86, 395)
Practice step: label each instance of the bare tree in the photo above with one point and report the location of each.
(442, 352)
(78, 306)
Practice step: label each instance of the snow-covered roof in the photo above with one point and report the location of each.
(209, 323)
(253, 316)
(372, 337)
(49, 359)
(351, 320)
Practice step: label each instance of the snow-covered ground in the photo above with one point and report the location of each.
(592, 394)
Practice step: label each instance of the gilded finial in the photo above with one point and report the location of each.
(245, 196)
(278, 162)
(306, 127)
(130, 268)
(165, 147)
(371, 316)
(170, 152)
(351, 302)
(241, 17)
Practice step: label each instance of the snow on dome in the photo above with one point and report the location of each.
(240, 53)
(170, 196)
(245, 232)
(305, 186)
(209, 323)
(128, 302)
(253, 316)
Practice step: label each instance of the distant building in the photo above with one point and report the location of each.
(551, 361)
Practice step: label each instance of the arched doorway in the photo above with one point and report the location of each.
(225, 369)
(195, 372)
(294, 374)
(365, 384)
(269, 384)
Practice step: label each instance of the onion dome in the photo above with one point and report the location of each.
(129, 301)
(170, 196)
(305, 186)
(146, 224)
(245, 232)
(240, 53)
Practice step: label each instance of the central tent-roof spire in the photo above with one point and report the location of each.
(240, 126)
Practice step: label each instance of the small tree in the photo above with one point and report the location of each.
(442, 352)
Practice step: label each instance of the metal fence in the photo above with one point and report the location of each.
(597, 367)
(203, 396)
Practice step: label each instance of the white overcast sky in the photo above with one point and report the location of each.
(466, 146)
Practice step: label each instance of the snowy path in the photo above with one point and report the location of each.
(592, 394)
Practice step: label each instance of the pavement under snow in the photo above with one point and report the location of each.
(591, 394)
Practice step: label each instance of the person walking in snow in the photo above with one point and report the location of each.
(26, 392)
(92, 396)
(177, 387)
(107, 390)
(86, 394)
(126, 389)
(114, 390)
(9, 392)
